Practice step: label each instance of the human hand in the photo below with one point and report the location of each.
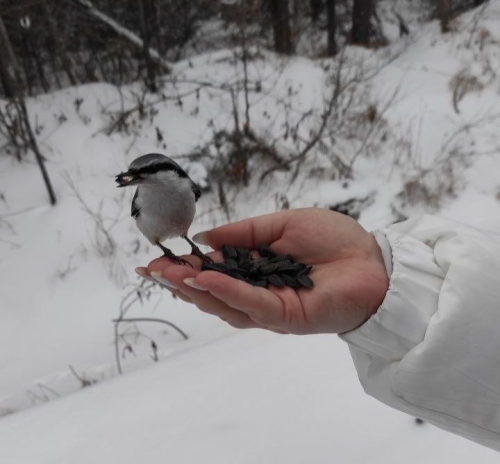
(350, 280)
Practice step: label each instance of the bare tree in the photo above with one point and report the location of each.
(316, 8)
(7, 73)
(59, 50)
(362, 13)
(445, 15)
(281, 26)
(332, 27)
(123, 32)
(12, 92)
(150, 68)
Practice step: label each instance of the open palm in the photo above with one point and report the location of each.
(349, 276)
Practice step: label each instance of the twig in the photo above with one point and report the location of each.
(84, 382)
(152, 319)
(338, 89)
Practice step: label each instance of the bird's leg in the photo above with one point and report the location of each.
(171, 255)
(196, 251)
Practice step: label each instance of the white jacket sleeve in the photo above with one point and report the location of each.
(432, 349)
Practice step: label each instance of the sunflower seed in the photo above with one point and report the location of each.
(290, 281)
(220, 267)
(286, 266)
(298, 268)
(281, 258)
(257, 283)
(305, 281)
(267, 269)
(229, 252)
(304, 270)
(275, 280)
(266, 251)
(235, 274)
(243, 255)
(241, 251)
(231, 263)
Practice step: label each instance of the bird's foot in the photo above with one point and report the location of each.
(204, 258)
(168, 254)
(180, 260)
(197, 252)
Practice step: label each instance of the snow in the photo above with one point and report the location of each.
(222, 396)
(248, 397)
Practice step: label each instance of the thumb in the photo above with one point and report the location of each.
(249, 233)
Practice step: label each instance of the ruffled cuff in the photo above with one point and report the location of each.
(411, 300)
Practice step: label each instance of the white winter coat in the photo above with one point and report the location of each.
(433, 347)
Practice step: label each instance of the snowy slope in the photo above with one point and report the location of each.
(251, 397)
(222, 395)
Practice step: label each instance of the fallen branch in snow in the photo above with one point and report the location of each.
(152, 319)
(124, 32)
(85, 382)
(42, 396)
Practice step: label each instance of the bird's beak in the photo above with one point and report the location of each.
(125, 179)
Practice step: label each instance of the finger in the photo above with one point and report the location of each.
(170, 275)
(211, 305)
(161, 263)
(249, 233)
(158, 278)
(182, 296)
(262, 306)
(172, 278)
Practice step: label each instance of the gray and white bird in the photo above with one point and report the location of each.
(164, 203)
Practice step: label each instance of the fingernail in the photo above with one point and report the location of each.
(141, 271)
(189, 281)
(200, 238)
(158, 276)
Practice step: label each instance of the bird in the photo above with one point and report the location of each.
(164, 203)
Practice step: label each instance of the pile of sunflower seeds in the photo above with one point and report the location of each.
(269, 269)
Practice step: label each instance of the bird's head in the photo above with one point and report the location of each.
(149, 169)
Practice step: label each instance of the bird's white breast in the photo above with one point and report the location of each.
(166, 207)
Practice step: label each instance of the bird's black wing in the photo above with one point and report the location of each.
(196, 190)
(135, 209)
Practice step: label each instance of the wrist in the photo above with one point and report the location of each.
(385, 249)
(380, 270)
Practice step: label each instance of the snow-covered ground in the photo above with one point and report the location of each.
(223, 396)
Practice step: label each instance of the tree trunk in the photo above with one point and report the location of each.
(316, 8)
(445, 15)
(281, 26)
(332, 43)
(159, 36)
(5, 77)
(362, 13)
(36, 150)
(20, 105)
(8, 65)
(60, 53)
(150, 69)
(479, 2)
